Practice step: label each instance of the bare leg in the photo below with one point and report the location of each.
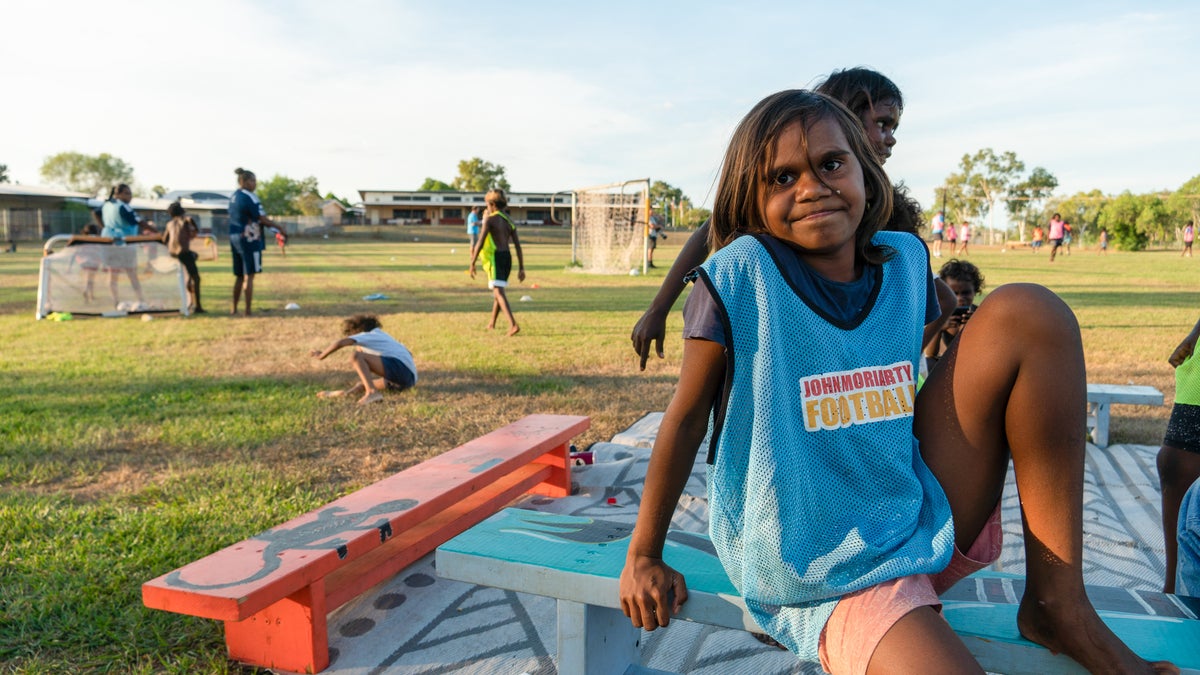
(238, 282)
(136, 283)
(89, 293)
(367, 365)
(1177, 470)
(495, 310)
(922, 642)
(1020, 389)
(249, 292)
(112, 286)
(502, 304)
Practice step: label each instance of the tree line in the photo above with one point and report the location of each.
(986, 181)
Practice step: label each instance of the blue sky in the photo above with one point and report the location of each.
(379, 95)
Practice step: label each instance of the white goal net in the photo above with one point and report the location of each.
(608, 227)
(91, 275)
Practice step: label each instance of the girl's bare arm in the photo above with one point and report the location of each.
(652, 327)
(650, 590)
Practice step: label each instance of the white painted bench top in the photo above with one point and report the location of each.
(1132, 394)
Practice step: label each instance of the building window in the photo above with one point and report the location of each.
(409, 213)
(535, 214)
(452, 198)
(537, 200)
(452, 213)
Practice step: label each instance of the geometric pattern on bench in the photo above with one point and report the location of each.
(274, 589)
(578, 561)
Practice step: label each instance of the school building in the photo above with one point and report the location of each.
(405, 207)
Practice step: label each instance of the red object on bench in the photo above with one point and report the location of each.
(274, 590)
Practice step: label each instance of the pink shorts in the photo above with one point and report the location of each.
(861, 619)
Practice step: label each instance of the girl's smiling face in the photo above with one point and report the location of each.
(815, 200)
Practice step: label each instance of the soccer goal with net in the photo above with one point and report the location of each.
(96, 276)
(609, 227)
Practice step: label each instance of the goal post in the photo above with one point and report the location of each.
(610, 226)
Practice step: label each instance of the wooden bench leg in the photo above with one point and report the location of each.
(559, 482)
(1100, 413)
(289, 635)
(595, 640)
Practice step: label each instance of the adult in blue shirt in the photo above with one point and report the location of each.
(247, 218)
(121, 221)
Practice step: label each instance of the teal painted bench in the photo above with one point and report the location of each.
(578, 562)
(1101, 396)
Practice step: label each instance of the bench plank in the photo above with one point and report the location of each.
(274, 590)
(1101, 396)
(579, 560)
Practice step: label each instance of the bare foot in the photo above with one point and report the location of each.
(1074, 629)
(373, 397)
(491, 326)
(333, 393)
(514, 330)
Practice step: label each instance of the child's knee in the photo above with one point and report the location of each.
(1027, 306)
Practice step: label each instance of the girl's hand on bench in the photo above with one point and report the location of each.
(651, 591)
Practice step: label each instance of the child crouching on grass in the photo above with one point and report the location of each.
(375, 353)
(840, 503)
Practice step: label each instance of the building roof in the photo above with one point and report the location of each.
(18, 190)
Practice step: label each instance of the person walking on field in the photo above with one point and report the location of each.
(1189, 235)
(952, 237)
(1103, 241)
(1038, 236)
(1056, 235)
(497, 234)
(964, 237)
(938, 227)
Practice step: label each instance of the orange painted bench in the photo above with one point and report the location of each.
(274, 590)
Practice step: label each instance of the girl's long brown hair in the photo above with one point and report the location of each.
(738, 206)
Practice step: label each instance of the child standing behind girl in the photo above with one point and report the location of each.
(839, 507)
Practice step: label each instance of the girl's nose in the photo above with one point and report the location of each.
(808, 187)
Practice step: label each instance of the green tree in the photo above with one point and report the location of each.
(1120, 217)
(669, 201)
(345, 202)
(3, 173)
(477, 175)
(1154, 219)
(1184, 203)
(283, 196)
(953, 198)
(1025, 198)
(987, 177)
(435, 185)
(86, 173)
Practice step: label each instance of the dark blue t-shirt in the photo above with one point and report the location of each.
(840, 301)
(244, 209)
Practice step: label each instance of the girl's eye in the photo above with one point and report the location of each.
(832, 165)
(784, 179)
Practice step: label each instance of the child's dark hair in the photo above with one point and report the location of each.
(860, 89)
(738, 206)
(360, 323)
(175, 209)
(117, 189)
(243, 174)
(907, 214)
(496, 197)
(961, 270)
(91, 229)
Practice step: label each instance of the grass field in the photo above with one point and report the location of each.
(128, 448)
